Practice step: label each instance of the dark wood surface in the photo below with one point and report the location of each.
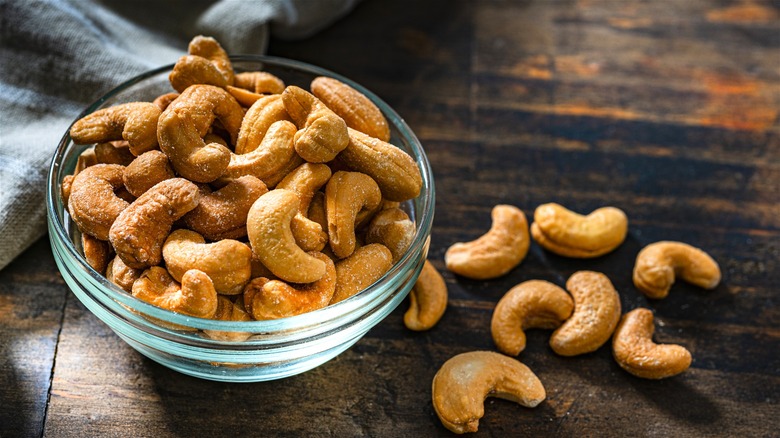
(665, 109)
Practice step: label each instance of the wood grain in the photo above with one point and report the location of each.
(669, 110)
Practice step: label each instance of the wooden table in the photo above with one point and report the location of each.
(666, 109)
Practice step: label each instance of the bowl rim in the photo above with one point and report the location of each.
(324, 315)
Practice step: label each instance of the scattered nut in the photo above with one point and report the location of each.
(596, 314)
(635, 351)
(495, 253)
(530, 304)
(569, 234)
(428, 300)
(462, 384)
(351, 105)
(658, 264)
(361, 269)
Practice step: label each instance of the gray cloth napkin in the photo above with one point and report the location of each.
(57, 56)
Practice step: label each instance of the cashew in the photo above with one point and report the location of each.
(86, 159)
(317, 211)
(393, 229)
(92, 203)
(229, 311)
(192, 70)
(135, 122)
(222, 214)
(96, 252)
(272, 180)
(569, 234)
(305, 180)
(260, 82)
(145, 171)
(195, 296)
(428, 300)
(394, 170)
(140, 230)
(596, 314)
(530, 304)
(348, 194)
(114, 153)
(658, 264)
(209, 48)
(360, 270)
(187, 119)
(122, 275)
(495, 253)
(322, 133)
(354, 107)
(162, 101)
(273, 299)
(227, 262)
(259, 117)
(268, 227)
(65, 187)
(635, 351)
(462, 384)
(274, 152)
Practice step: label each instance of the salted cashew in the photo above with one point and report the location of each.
(496, 252)
(183, 124)
(272, 242)
(65, 187)
(273, 299)
(229, 311)
(145, 171)
(244, 97)
(428, 300)
(305, 180)
(322, 133)
(209, 48)
(530, 304)
(596, 314)
(96, 252)
(272, 180)
(227, 262)
(394, 170)
(462, 384)
(317, 211)
(273, 154)
(191, 70)
(260, 82)
(263, 113)
(658, 264)
(122, 275)
(116, 152)
(635, 351)
(392, 228)
(140, 230)
(347, 194)
(354, 107)
(570, 234)
(195, 296)
(135, 122)
(361, 269)
(92, 203)
(222, 214)
(162, 101)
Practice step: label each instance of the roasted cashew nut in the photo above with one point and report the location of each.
(140, 230)
(263, 113)
(428, 300)
(361, 269)
(116, 152)
(570, 234)
(122, 275)
(347, 194)
(273, 299)
(658, 264)
(260, 82)
(92, 203)
(195, 296)
(530, 304)
(186, 121)
(135, 122)
(192, 70)
(635, 351)
(96, 252)
(268, 227)
(394, 170)
(227, 262)
(354, 107)
(392, 228)
(322, 133)
(274, 152)
(145, 171)
(596, 314)
(462, 384)
(222, 214)
(229, 311)
(209, 48)
(495, 253)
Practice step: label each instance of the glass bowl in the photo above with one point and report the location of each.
(276, 348)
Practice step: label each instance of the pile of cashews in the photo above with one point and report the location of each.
(584, 319)
(239, 198)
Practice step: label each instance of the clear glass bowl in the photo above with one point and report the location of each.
(277, 348)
